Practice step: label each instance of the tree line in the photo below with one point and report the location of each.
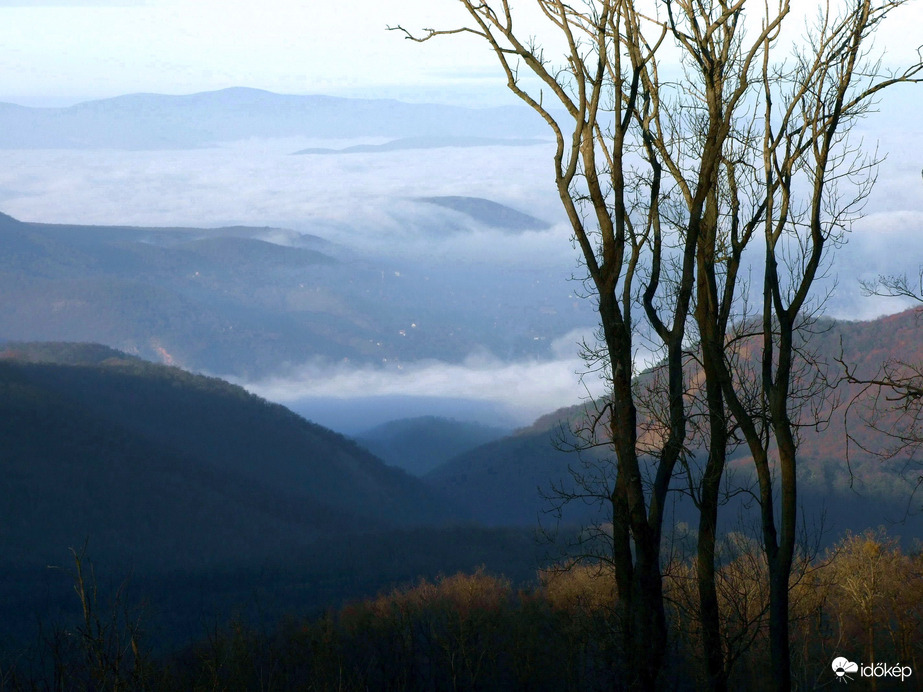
(862, 599)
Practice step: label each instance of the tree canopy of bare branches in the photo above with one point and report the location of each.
(693, 143)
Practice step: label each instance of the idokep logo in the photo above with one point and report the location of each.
(844, 669)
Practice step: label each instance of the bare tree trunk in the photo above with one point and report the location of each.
(779, 648)
(709, 611)
(638, 571)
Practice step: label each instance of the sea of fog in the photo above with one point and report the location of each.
(365, 202)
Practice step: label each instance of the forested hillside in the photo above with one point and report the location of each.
(162, 467)
(844, 482)
(206, 499)
(251, 302)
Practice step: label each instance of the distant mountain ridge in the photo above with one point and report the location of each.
(489, 213)
(252, 301)
(418, 445)
(178, 295)
(157, 121)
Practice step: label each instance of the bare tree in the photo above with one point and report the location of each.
(671, 170)
(814, 185)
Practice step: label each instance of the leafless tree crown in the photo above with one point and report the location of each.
(695, 147)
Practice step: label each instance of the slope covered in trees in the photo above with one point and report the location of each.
(206, 500)
(861, 599)
(254, 301)
(161, 467)
(843, 482)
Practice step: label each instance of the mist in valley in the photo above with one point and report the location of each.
(516, 295)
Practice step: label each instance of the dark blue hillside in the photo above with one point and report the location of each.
(206, 501)
(161, 468)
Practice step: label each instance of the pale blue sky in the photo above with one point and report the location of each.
(57, 52)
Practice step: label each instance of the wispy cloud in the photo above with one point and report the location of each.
(522, 390)
(525, 389)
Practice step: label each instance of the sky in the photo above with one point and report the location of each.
(57, 52)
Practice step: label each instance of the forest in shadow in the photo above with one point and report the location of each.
(477, 630)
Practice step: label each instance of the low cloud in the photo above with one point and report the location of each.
(526, 389)
(364, 200)
(523, 390)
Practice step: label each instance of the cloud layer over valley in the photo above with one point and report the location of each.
(518, 391)
(376, 208)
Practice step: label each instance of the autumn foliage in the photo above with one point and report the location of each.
(862, 599)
